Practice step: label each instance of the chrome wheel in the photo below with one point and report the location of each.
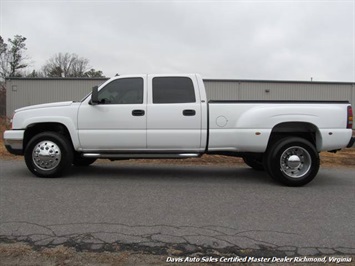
(46, 155)
(295, 162)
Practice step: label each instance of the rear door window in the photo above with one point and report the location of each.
(173, 90)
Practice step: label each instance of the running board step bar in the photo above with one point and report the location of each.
(141, 156)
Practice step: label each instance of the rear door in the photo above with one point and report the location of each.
(174, 114)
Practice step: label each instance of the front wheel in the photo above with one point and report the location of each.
(48, 154)
(292, 161)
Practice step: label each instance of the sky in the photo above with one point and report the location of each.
(269, 40)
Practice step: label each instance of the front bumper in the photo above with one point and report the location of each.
(351, 142)
(13, 140)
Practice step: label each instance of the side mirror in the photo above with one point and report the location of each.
(94, 95)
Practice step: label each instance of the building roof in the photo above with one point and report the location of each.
(208, 79)
(67, 78)
(281, 81)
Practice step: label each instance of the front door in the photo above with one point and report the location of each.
(118, 122)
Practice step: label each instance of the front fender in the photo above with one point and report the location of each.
(67, 122)
(65, 115)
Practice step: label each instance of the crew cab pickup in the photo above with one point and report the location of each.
(168, 116)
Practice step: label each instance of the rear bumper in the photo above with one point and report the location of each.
(13, 140)
(351, 142)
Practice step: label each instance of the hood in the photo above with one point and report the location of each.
(45, 105)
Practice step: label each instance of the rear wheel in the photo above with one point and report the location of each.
(292, 161)
(48, 154)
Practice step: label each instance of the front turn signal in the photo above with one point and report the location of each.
(350, 119)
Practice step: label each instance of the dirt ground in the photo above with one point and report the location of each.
(21, 254)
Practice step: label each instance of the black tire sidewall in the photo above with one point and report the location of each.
(254, 162)
(273, 161)
(66, 154)
(80, 161)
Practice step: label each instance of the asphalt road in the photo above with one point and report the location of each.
(178, 209)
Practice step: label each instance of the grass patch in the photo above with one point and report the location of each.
(4, 125)
(345, 157)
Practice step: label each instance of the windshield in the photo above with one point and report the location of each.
(85, 97)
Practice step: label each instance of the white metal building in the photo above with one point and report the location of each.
(280, 90)
(28, 91)
(22, 92)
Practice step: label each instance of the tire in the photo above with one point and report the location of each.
(81, 161)
(254, 162)
(48, 154)
(292, 161)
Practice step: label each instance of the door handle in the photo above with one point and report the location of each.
(189, 112)
(138, 112)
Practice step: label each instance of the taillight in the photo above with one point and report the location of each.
(350, 118)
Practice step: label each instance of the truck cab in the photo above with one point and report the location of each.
(145, 113)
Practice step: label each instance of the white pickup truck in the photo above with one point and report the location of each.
(168, 116)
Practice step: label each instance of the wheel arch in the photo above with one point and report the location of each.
(36, 128)
(304, 130)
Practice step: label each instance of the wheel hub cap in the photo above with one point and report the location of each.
(295, 162)
(46, 155)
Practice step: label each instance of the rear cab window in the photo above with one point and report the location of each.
(173, 90)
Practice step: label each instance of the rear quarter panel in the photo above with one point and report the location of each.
(246, 127)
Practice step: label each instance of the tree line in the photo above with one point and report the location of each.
(15, 63)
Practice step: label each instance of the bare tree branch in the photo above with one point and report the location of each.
(66, 65)
(12, 57)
